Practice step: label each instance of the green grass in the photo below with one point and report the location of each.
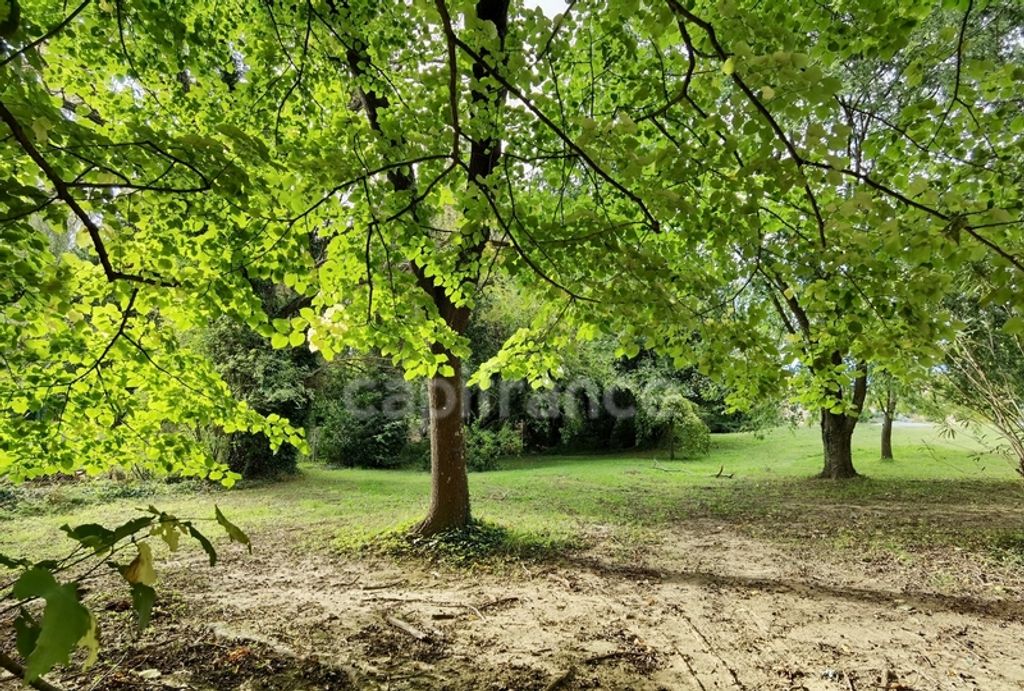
(937, 492)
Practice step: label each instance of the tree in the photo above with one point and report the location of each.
(642, 170)
(837, 182)
(888, 408)
(983, 374)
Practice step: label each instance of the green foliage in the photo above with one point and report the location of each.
(66, 622)
(789, 184)
(670, 420)
(486, 447)
(272, 382)
(362, 421)
(64, 625)
(347, 440)
(982, 381)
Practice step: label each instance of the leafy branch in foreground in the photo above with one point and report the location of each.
(66, 622)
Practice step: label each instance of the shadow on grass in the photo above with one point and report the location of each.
(479, 542)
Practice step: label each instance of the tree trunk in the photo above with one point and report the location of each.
(449, 493)
(449, 485)
(837, 441)
(888, 413)
(886, 435)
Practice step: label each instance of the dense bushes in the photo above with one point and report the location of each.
(348, 441)
(670, 420)
(362, 419)
(272, 382)
(485, 447)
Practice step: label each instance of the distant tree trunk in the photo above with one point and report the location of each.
(886, 436)
(837, 442)
(888, 413)
(449, 485)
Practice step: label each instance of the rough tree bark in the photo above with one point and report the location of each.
(837, 443)
(449, 483)
(837, 429)
(886, 436)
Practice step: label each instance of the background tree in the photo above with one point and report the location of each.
(983, 374)
(888, 400)
(624, 162)
(814, 138)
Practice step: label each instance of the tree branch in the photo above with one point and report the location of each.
(64, 194)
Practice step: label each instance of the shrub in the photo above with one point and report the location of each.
(485, 447)
(250, 454)
(359, 422)
(670, 419)
(688, 436)
(364, 442)
(271, 381)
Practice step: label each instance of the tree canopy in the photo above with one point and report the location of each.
(689, 177)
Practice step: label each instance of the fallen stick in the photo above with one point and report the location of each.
(18, 672)
(499, 601)
(382, 586)
(408, 628)
(473, 609)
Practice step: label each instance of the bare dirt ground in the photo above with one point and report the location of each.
(702, 607)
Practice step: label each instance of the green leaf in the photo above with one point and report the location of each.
(1014, 325)
(133, 526)
(234, 532)
(167, 530)
(206, 544)
(91, 642)
(143, 597)
(98, 538)
(26, 633)
(90, 535)
(66, 622)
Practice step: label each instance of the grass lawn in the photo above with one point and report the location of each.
(639, 573)
(937, 492)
